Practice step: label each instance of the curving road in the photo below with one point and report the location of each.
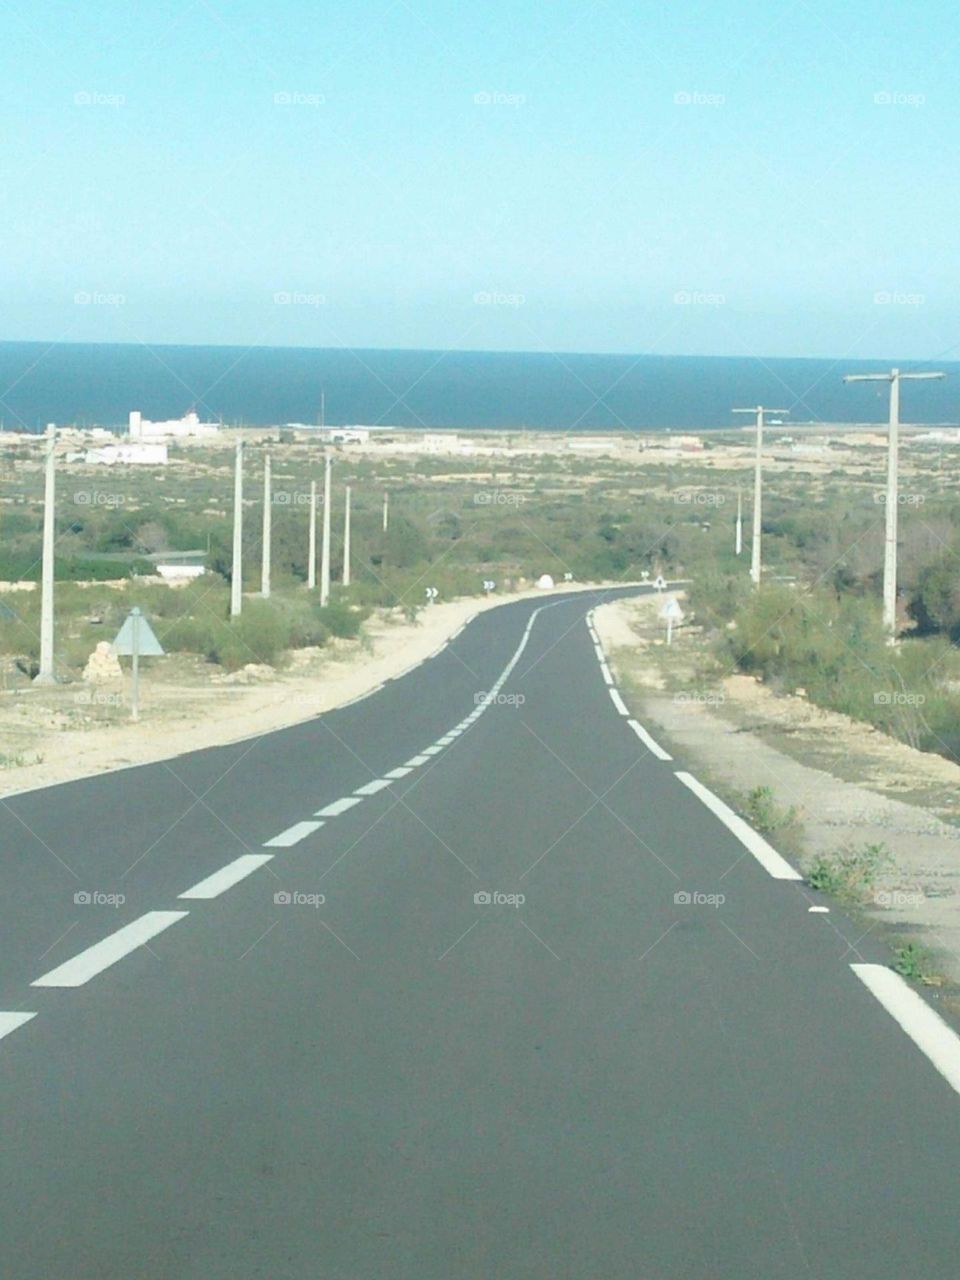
(440, 986)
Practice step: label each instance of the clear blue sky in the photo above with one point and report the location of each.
(386, 164)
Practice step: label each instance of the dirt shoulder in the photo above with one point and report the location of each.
(851, 785)
(58, 734)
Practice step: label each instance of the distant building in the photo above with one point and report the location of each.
(441, 442)
(134, 455)
(180, 572)
(187, 427)
(347, 435)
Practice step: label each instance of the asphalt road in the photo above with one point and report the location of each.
(344, 1065)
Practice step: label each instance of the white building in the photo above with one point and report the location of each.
(188, 427)
(136, 455)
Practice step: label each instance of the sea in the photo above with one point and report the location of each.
(99, 384)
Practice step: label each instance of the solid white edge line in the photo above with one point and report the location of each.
(649, 742)
(293, 835)
(10, 1021)
(618, 702)
(212, 886)
(87, 964)
(337, 807)
(923, 1025)
(359, 698)
(371, 788)
(764, 853)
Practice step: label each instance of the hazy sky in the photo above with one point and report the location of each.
(746, 177)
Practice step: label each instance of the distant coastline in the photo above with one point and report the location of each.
(99, 384)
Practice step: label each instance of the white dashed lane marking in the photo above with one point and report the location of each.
(86, 965)
(228, 876)
(10, 1021)
(339, 806)
(400, 772)
(416, 761)
(649, 742)
(618, 702)
(293, 835)
(371, 788)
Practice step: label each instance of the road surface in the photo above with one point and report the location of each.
(463, 980)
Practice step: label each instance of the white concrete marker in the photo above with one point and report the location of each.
(293, 835)
(820, 910)
(923, 1025)
(649, 742)
(618, 702)
(86, 965)
(338, 807)
(228, 876)
(10, 1021)
(764, 853)
(400, 772)
(371, 788)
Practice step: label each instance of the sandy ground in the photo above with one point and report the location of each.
(74, 731)
(851, 784)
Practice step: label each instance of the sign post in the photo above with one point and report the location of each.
(671, 613)
(136, 639)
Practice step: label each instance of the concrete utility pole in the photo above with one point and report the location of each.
(894, 377)
(739, 534)
(267, 528)
(236, 572)
(312, 553)
(759, 410)
(386, 511)
(346, 536)
(325, 552)
(46, 675)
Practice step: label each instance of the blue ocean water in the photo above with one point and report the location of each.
(87, 384)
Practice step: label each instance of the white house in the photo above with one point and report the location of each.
(187, 427)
